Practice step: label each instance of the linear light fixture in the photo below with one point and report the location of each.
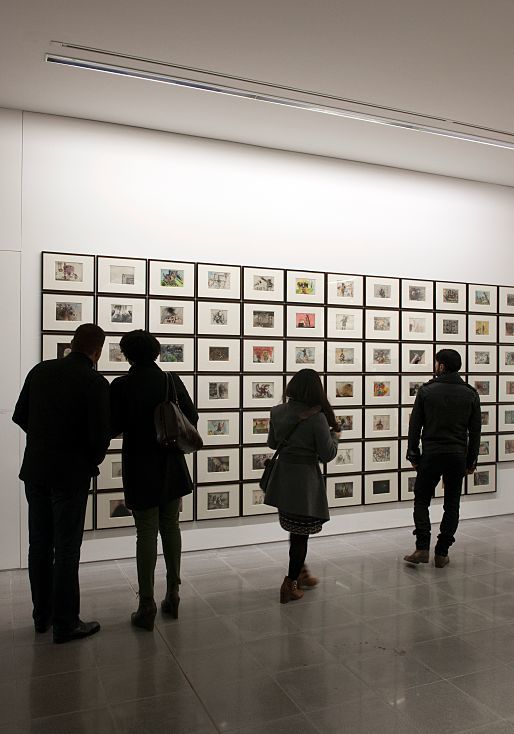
(272, 99)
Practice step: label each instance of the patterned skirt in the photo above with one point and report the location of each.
(299, 524)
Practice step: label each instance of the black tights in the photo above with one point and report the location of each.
(297, 554)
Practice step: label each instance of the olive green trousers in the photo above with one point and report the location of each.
(149, 523)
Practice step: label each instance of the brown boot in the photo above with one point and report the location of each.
(305, 580)
(441, 561)
(145, 615)
(419, 556)
(289, 591)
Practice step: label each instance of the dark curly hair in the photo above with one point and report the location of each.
(140, 346)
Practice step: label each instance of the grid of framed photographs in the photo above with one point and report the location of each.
(237, 334)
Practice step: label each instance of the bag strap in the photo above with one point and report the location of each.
(173, 385)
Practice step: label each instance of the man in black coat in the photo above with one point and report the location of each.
(447, 418)
(64, 410)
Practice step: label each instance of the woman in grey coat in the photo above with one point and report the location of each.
(306, 423)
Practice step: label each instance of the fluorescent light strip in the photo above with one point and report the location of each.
(271, 99)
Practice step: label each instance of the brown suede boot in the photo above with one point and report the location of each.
(145, 615)
(441, 561)
(289, 591)
(305, 580)
(419, 556)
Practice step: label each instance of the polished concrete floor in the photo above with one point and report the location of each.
(378, 647)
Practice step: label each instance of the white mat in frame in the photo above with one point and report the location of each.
(350, 420)
(505, 417)
(506, 389)
(253, 501)
(382, 357)
(219, 281)
(254, 458)
(217, 465)
(121, 275)
(381, 423)
(66, 272)
(506, 299)
(417, 357)
(450, 327)
(506, 359)
(506, 330)
(483, 480)
(301, 354)
(219, 317)
(217, 501)
(460, 348)
(482, 298)
(381, 488)
(111, 511)
(410, 387)
(261, 391)
(177, 354)
(218, 392)
(305, 321)
(112, 359)
(344, 390)
(482, 358)
(382, 324)
(56, 346)
(348, 458)
(418, 294)
(219, 428)
(344, 356)
(263, 320)
(506, 447)
(263, 355)
(172, 278)
(485, 386)
(345, 323)
(381, 455)
(417, 326)
(345, 290)
(219, 355)
(303, 286)
(115, 313)
(482, 328)
(489, 417)
(344, 491)
(256, 426)
(110, 476)
(263, 284)
(168, 316)
(66, 311)
(381, 390)
(487, 449)
(384, 292)
(450, 296)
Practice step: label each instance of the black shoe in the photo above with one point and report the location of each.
(169, 604)
(42, 627)
(83, 629)
(145, 615)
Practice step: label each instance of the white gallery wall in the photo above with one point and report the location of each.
(97, 188)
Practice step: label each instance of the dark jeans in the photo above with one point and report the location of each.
(297, 554)
(452, 468)
(56, 526)
(149, 523)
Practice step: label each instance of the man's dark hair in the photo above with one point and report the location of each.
(450, 358)
(140, 346)
(306, 387)
(88, 339)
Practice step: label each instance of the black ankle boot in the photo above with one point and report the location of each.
(145, 615)
(169, 604)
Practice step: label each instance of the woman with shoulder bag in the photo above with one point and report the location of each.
(155, 477)
(304, 430)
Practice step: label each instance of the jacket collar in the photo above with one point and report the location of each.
(80, 357)
(453, 378)
(150, 365)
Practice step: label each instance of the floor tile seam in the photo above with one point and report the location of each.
(447, 678)
(453, 678)
(403, 717)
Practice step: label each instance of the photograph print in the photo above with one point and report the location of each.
(66, 311)
(382, 357)
(254, 461)
(506, 447)
(348, 459)
(343, 390)
(167, 316)
(309, 354)
(418, 294)
(262, 391)
(263, 284)
(344, 491)
(121, 314)
(219, 428)
(450, 327)
(381, 389)
(381, 422)
(380, 455)
(345, 290)
(218, 392)
(111, 511)
(383, 292)
(483, 480)
(483, 298)
(344, 356)
(350, 422)
(172, 279)
(263, 320)
(417, 357)
(217, 465)
(177, 354)
(56, 346)
(253, 501)
(482, 358)
(305, 321)
(382, 324)
(218, 355)
(219, 281)
(121, 275)
(305, 287)
(380, 488)
(256, 425)
(482, 328)
(263, 355)
(417, 327)
(345, 323)
(450, 296)
(217, 501)
(485, 385)
(64, 272)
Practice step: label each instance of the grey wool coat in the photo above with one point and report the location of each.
(296, 485)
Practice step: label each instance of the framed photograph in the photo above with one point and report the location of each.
(263, 319)
(253, 501)
(88, 521)
(344, 390)
(418, 294)
(417, 327)
(306, 322)
(261, 355)
(404, 462)
(186, 513)
(450, 327)
(350, 420)
(219, 281)
(381, 324)
(217, 465)
(506, 418)
(219, 318)
(263, 284)
(383, 292)
(172, 278)
(345, 290)
(407, 484)
(382, 357)
(460, 348)
(405, 414)
(410, 387)
(381, 423)
(381, 488)
(506, 331)
(506, 359)
(487, 449)
(66, 312)
(380, 455)
(483, 298)
(505, 447)
(489, 418)
(111, 511)
(254, 461)
(305, 354)
(256, 426)
(121, 275)
(219, 355)
(345, 323)
(344, 491)
(483, 480)
(65, 272)
(121, 314)
(381, 390)
(344, 356)
(262, 391)
(176, 355)
(506, 300)
(219, 428)
(218, 392)
(485, 385)
(450, 297)
(482, 358)
(112, 359)
(110, 476)
(506, 388)
(481, 328)
(417, 357)
(217, 501)
(56, 346)
(305, 287)
(348, 459)
(171, 317)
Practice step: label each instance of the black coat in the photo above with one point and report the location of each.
(447, 417)
(151, 474)
(64, 410)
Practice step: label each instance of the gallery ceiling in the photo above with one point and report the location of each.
(418, 60)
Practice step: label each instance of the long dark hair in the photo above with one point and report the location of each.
(306, 387)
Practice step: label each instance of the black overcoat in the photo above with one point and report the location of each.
(151, 474)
